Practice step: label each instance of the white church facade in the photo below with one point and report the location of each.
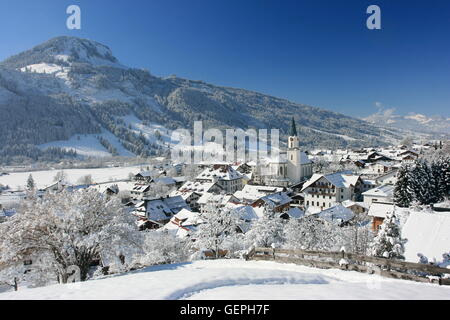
(292, 167)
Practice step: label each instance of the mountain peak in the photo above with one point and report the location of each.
(62, 50)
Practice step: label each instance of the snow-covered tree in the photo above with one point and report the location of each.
(402, 195)
(30, 183)
(60, 176)
(358, 234)
(86, 180)
(267, 230)
(69, 229)
(218, 223)
(388, 242)
(161, 247)
(312, 233)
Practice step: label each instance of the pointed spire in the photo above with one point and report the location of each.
(293, 131)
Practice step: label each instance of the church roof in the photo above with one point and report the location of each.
(293, 130)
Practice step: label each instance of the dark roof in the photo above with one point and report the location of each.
(293, 130)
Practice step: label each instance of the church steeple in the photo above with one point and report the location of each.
(293, 130)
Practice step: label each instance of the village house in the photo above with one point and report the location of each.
(250, 193)
(191, 191)
(228, 179)
(208, 198)
(325, 191)
(158, 212)
(389, 177)
(338, 214)
(279, 202)
(144, 177)
(383, 194)
(378, 212)
(183, 224)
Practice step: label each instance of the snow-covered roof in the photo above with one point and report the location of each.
(219, 172)
(338, 214)
(380, 210)
(350, 203)
(247, 213)
(165, 180)
(277, 199)
(427, 233)
(343, 179)
(251, 193)
(209, 197)
(161, 209)
(197, 186)
(386, 191)
(296, 213)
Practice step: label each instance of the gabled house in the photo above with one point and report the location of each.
(159, 211)
(325, 191)
(280, 202)
(144, 177)
(225, 176)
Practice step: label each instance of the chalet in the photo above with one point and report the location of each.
(160, 210)
(409, 153)
(378, 212)
(325, 191)
(280, 202)
(376, 157)
(298, 200)
(383, 194)
(225, 176)
(409, 159)
(144, 177)
(377, 168)
(192, 191)
(140, 191)
(183, 224)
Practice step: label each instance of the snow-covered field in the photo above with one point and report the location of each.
(236, 279)
(88, 145)
(18, 180)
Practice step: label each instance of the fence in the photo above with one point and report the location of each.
(353, 262)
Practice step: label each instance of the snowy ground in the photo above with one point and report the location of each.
(88, 145)
(235, 279)
(18, 180)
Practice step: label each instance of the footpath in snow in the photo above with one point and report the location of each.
(237, 280)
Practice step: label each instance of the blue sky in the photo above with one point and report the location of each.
(314, 52)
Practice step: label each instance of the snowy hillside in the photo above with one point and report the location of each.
(235, 279)
(69, 86)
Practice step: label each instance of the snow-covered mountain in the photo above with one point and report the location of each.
(413, 121)
(68, 91)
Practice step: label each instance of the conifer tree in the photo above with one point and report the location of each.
(388, 243)
(30, 183)
(402, 196)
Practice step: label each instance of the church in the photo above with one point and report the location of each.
(292, 167)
